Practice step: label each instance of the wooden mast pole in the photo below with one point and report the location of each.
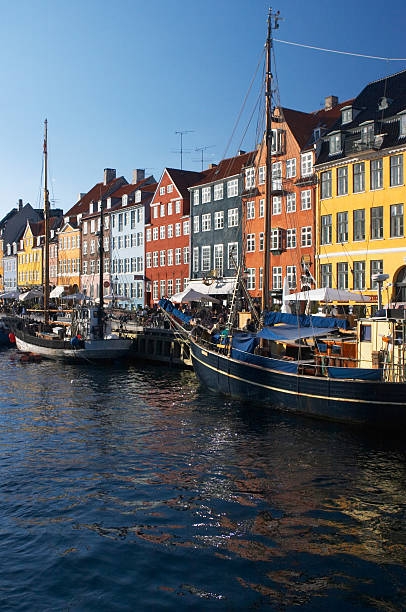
(268, 150)
(101, 260)
(46, 223)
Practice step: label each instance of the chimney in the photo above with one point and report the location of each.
(80, 196)
(138, 175)
(211, 166)
(20, 204)
(330, 102)
(109, 175)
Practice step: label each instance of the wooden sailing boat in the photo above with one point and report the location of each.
(335, 376)
(89, 336)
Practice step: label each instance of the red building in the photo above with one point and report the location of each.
(167, 236)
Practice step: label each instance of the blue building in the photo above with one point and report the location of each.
(216, 222)
(129, 212)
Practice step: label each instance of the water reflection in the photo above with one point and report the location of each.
(194, 497)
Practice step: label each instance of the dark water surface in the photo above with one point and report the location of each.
(126, 487)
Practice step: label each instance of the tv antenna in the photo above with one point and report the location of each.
(202, 150)
(181, 133)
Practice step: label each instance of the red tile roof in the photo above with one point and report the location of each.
(227, 167)
(183, 179)
(38, 227)
(302, 124)
(100, 191)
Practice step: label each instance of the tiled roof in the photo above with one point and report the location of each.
(38, 227)
(100, 191)
(302, 124)
(227, 167)
(184, 179)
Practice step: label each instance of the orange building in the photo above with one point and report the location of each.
(295, 137)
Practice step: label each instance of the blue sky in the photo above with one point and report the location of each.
(117, 79)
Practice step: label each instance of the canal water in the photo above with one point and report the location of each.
(129, 487)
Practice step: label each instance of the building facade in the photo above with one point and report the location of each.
(127, 242)
(362, 193)
(12, 229)
(167, 248)
(216, 221)
(68, 256)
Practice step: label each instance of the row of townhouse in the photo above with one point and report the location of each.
(337, 214)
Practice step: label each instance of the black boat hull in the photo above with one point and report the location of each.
(376, 404)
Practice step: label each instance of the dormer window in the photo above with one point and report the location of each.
(138, 196)
(108, 202)
(367, 132)
(99, 205)
(316, 134)
(124, 200)
(347, 114)
(335, 143)
(402, 126)
(9, 249)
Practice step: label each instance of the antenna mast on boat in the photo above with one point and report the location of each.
(273, 19)
(101, 260)
(46, 223)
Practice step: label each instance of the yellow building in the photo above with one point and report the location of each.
(69, 256)
(29, 256)
(362, 193)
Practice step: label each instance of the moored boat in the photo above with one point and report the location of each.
(309, 365)
(89, 334)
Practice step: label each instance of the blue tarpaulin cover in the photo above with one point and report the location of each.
(354, 373)
(290, 333)
(265, 362)
(244, 342)
(272, 318)
(171, 309)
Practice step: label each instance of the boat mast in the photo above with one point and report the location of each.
(101, 254)
(268, 151)
(46, 223)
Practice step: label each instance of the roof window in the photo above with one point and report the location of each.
(347, 114)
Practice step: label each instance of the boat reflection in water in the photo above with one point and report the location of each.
(194, 501)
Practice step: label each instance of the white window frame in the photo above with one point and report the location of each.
(306, 164)
(232, 188)
(206, 195)
(291, 167)
(219, 220)
(232, 217)
(251, 209)
(276, 205)
(218, 191)
(306, 236)
(291, 202)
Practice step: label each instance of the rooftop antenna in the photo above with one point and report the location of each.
(202, 149)
(181, 133)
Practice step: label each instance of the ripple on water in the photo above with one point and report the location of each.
(125, 486)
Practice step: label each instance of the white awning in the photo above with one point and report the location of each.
(9, 295)
(191, 295)
(29, 295)
(327, 294)
(216, 287)
(57, 291)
